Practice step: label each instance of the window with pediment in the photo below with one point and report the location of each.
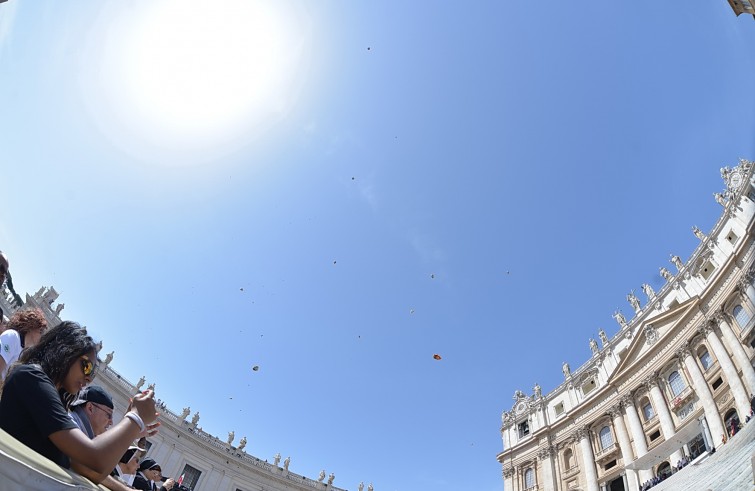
(606, 437)
(676, 383)
(741, 315)
(705, 359)
(529, 478)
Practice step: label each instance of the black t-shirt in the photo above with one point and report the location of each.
(31, 410)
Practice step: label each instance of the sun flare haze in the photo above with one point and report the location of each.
(193, 74)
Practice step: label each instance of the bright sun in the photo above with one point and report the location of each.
(193, 71)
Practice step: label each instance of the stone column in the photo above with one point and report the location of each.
(546, 459)
(739, 353)
(730, 372)
(745, 286)
(508, 479)
(638, 434)
(664, 415)
(624, 444)
(702, 390)
(588, 459)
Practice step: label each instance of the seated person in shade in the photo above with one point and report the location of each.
(150, 473)
(22, 331)
(126, 469)
(38, 391)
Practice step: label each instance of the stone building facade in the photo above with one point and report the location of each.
(668, 385)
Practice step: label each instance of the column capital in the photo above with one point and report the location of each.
(615, 410)
(706, 327)
(627, 400)
(582, 432)
(683, 352)
(546, 452)
(651, 381)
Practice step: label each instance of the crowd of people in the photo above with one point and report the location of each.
(48, 402)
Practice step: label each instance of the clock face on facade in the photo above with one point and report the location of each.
(521, 407)
(735, 180)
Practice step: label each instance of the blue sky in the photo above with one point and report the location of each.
(505, 172)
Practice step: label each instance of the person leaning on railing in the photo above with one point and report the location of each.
(37, 394)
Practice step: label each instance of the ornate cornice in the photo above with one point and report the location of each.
(683, 352)
(582, 432)
(650, 381)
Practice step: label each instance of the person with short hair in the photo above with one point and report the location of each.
(38, 392)
(23, 330)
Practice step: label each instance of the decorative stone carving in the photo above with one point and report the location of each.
(286, 463)
(650, 381)
(108, 358)
(567, 371)
(603, 337)
(140, 383)
(518, 394)
(195, 419)
(719, 197)
(651, 334)
(581, 432)
(648, 291)
(321, 477)
(231, 436)
(242, 443)
(634, 302)
(370, 488)
(682, 352)
(184, 413)
(666, 274)
(331, 478)
(676, 261)
(620, 319)
(277, 459)
(151, 387)
(593, 346)
(698, 233)
(537, 390)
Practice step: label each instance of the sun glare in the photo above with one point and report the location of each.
(196, 73)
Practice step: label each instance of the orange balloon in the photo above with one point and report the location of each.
(436, 356)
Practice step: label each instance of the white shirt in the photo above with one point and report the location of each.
(10, 348)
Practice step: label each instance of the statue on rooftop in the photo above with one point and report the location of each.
(286, 462)
(648, 290)
(698, 233)
(195, 419)
(370, 488)
(361, 486)
(231, 436)
(537, 390)
(666, 274)
(603, 337)
(108, 358)
(98, 346)
(277, 459)
(677, 261)
(151, 386)
(720, 199)
(593, 346)
(567, 371)
(634, 302)
(321, 477)
(59, 308)
(620, 319)
(242, 443)
(140, 383)
(331, 478)
(518, 394)
(184, 413)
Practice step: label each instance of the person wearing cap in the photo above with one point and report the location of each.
(93, 413)
(93, 410)
(126, 469)
(150, 473)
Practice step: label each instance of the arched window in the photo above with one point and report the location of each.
(529, 478)
(647, 409)
(568, 455)
(705, 360)
(676, 382)
(741, 315)
(606, 438)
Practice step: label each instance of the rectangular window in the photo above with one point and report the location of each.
(717, 383)
(732, 237)
(524, 429)
(559, 408)
(647, 411)
(191, 476)
(655, 435)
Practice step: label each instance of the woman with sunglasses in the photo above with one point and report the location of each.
(22, 331)
(37, 394)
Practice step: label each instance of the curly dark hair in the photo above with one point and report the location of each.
(24, 321)
(58, 349)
